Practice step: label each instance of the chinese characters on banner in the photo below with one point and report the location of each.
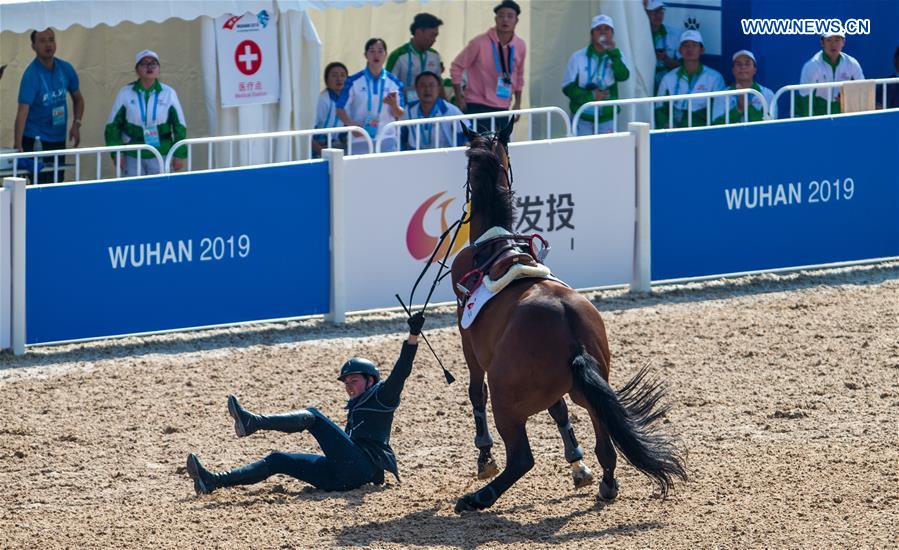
(248, 59)
(551, 214)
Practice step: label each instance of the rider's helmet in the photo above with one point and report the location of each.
(358, 365)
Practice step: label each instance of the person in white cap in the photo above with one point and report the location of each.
(664, 40)
(146, 111)
(828, 65)
(744, 69)
(593, 74)
(692, 77)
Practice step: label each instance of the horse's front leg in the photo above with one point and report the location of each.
(477, 393)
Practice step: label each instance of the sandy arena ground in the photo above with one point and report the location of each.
(785, 391)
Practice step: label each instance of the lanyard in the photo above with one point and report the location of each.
(331, 104)
(691, 83)
(143, 108)
(498, 59)
(52, 77)
(600, 66)
(436, 111)
(371, 82)
(422, 57)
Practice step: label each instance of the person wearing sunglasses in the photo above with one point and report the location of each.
(146, 111)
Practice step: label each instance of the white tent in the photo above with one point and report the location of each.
(112, 26)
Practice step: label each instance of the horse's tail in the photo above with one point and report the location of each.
(630, 416)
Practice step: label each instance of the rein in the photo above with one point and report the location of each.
(457, 225)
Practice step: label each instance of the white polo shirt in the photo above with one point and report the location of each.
(326, 110)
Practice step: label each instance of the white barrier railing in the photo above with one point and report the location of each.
(271, 137)
(670, 99)
(387, 132)
(117, 150)
(792, 88)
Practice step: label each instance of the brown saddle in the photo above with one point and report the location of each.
(492, 257)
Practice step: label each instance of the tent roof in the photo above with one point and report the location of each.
(25, 15)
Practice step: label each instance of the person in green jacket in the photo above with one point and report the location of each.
(593, 74)
(146, 111)
(744, 69)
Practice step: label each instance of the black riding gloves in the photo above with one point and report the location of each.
(415, 323)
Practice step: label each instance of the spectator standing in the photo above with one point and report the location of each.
(42, 112)
(892, 90)
(417, 55)
(146, 111)
(373, 97)
(664, 40)
(593, 74)
(326, 110)
(431, 105)
(744, 70)
(494, 63)
(692, 77)
(831, 64)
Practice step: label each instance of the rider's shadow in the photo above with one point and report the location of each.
(280, 495)
(434, 526)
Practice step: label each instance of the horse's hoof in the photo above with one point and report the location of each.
(582, 477)
(488, 469)
(608, 491)
(467, 504)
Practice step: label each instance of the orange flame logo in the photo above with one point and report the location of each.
(420, 243)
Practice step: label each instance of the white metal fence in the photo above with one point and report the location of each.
(394, 128)
(286, 140)
(55, 168)
(722, 95)
(829, 86)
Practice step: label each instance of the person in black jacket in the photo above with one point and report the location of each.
(354, 456)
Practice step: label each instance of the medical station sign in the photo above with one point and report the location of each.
(248, 58)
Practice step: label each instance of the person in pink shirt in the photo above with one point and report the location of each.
(494, 63)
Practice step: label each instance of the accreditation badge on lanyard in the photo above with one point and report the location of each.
(151, 131)
(371, 121)
(504, 68)
(57, 112)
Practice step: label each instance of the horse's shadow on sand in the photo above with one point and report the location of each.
(439, 526)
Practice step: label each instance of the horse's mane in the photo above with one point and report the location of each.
(489, 196)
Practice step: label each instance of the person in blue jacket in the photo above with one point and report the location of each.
(353, 456)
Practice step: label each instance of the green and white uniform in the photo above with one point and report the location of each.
(756, 108)
(666, 39)
(677, 82)
(604, 70)
(406, 63)
(137, 113)
(820, 69)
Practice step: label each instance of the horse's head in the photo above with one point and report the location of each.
(489, 184)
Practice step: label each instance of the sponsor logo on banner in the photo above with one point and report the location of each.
(420, 242)
(248, 64)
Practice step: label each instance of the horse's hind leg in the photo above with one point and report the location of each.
(519, 460)
(605, 452)
(574, 454)
(477, 393)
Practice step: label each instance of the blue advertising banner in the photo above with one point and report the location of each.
(168, 252)
(773, 195)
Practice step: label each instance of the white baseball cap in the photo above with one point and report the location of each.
(602, 20)
(839, 33)
(690, 34)
(145, 53)
(747, 53)
(653, 5)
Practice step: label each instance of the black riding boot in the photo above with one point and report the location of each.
(205, 481)
(245, 422)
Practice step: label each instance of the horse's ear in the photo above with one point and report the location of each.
(506, 132)
(469, 134)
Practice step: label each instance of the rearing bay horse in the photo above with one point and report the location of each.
(539, 340)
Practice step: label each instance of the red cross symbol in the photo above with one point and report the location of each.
(248, 57)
